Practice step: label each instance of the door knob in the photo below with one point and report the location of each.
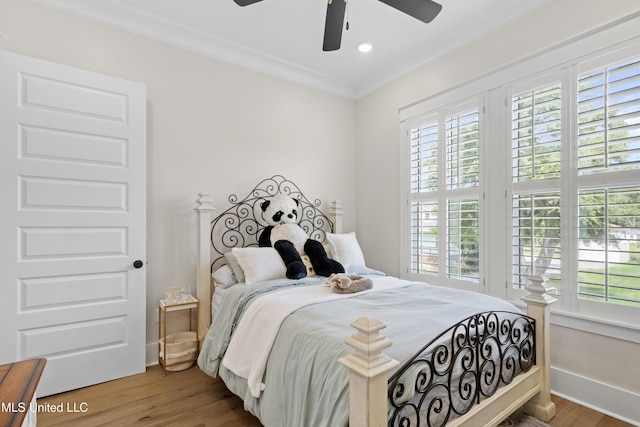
(137, 263)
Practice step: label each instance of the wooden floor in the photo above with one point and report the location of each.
(192, 399)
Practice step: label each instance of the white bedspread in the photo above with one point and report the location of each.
(251, 343)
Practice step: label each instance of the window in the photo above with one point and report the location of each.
(536, 238)
(600, 154)
(462, 239)
(536, 176)
(608, 160)
(609, 245)
(424, 238)
(445, 194)
(536, 152)
(424, 209)
(609, 118)
(536, 126)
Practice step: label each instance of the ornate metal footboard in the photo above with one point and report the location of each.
(476, 373)
(460, 367)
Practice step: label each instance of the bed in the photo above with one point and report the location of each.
(299, 354)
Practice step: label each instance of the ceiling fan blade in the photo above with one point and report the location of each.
(333, 25)
(424, 10)
(245, 2)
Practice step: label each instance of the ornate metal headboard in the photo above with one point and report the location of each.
(241, 224)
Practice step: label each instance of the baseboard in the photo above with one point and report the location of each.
(604, 398)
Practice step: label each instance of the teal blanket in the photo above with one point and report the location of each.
(305, 385)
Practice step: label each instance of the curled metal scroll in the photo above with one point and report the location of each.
(241, 224)
(459, 368)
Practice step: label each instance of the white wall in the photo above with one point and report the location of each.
(220, 128)
(211, 127)
(378, 148)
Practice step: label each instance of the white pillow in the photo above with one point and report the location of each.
(260, 263)
(224, 277)
(345, 249)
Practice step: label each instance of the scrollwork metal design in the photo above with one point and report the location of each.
(241, 224)
(460, 367)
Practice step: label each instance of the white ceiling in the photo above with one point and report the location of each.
(284, 37)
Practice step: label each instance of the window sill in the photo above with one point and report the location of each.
(591, 324)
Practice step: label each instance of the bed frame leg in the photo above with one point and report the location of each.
(368, 374)
(204, 211)
(538, 307)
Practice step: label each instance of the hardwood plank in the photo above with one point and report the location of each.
(186, 398)
(190, 398)
(569, 414)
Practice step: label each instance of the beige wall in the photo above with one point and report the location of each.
(211, 127)
(593, 356)
(219, 128)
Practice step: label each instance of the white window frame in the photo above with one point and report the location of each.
(536, 187)
(569, 312)
(443, 194)
(571, 182)
(578, 182)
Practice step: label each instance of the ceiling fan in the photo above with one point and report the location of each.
(423, 10)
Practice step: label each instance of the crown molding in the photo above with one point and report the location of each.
(122, 17)
(119, 15)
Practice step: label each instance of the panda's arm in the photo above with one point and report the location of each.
(265, 237)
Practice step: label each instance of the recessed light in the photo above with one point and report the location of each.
(364, 47)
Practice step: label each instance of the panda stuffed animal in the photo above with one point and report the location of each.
(289, 239)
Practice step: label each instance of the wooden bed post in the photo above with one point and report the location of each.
(335, 214)
(204, 210)
(368, 374)
(538, 307)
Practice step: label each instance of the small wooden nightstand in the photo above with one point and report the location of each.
(167, 307)
(18, 383)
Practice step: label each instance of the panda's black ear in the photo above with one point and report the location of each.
(264, 205)
(297, 201)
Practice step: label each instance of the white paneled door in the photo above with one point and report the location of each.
(72, 222)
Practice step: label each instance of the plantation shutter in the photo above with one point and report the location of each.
(609, 119)
(424, 238)
(609, 245)
(445, 178)
(424, 207)
(536, 134)
(463, 158)
(608, 161)
(536, 159)
(424, 157)
(462, 164)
